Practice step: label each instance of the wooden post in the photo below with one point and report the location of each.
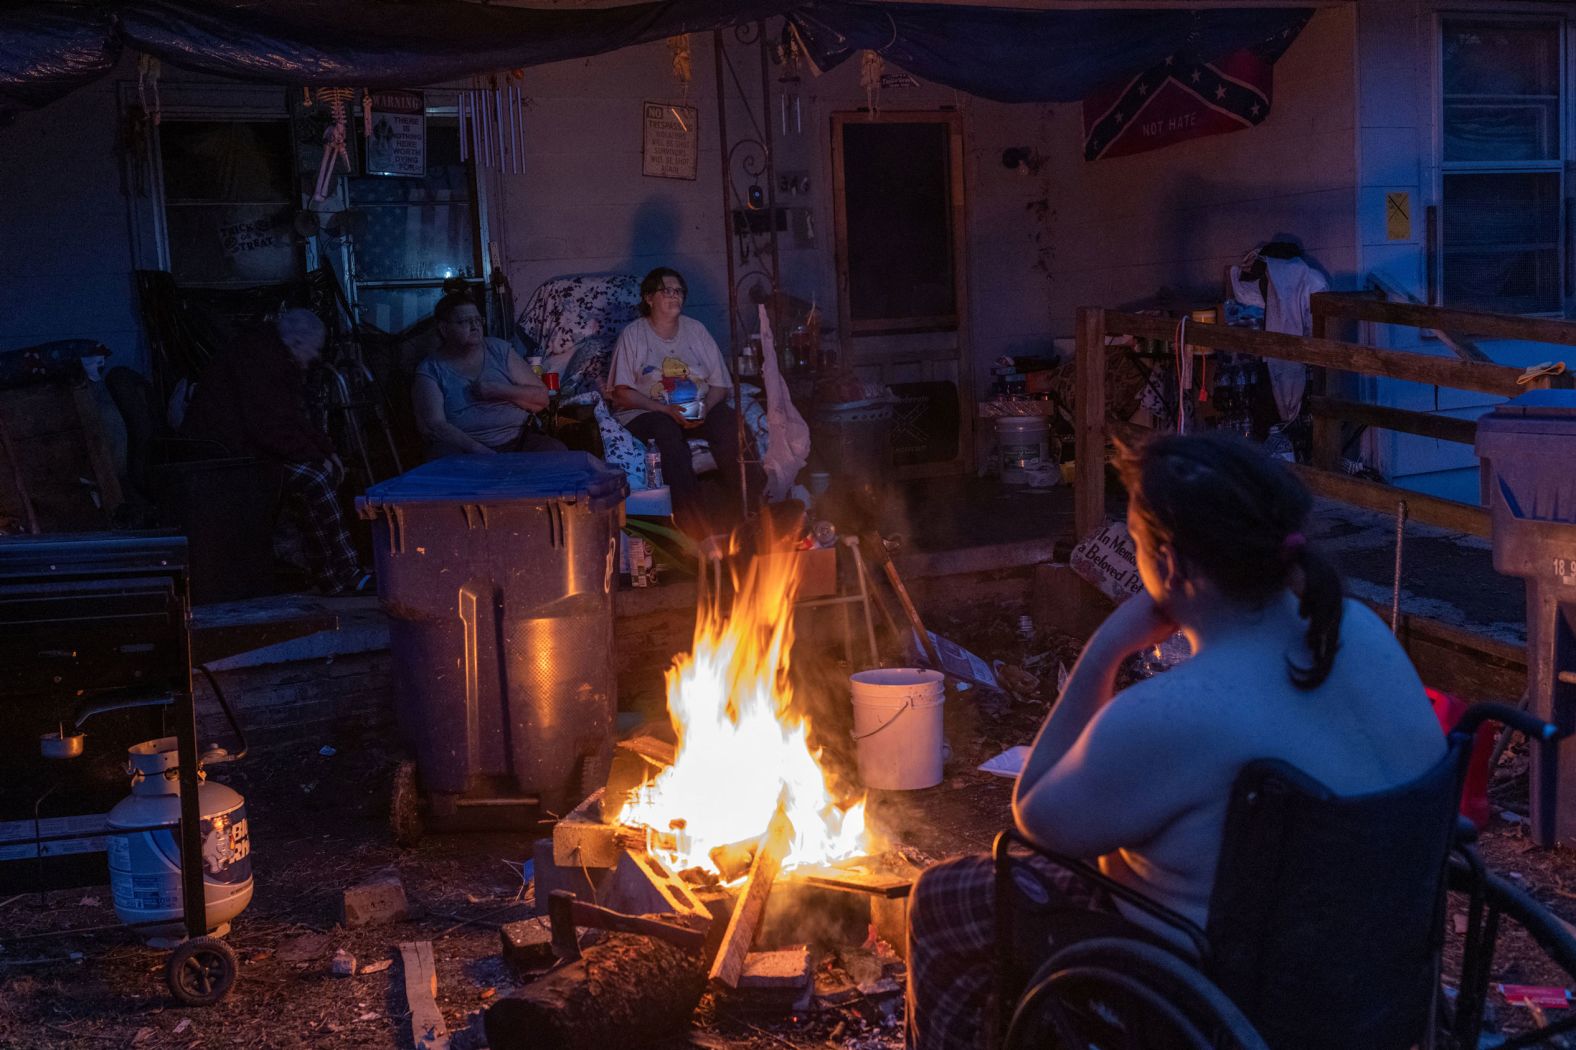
(1089, 432)
(1325, 450)
(727, 967)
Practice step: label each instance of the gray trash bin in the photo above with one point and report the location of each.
(1529, 446)
(497, 576)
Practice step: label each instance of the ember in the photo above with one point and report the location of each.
(742, 748)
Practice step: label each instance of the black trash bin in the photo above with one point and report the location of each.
(1529, 447)
(497, 576)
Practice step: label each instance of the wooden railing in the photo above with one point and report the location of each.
(1322, 476)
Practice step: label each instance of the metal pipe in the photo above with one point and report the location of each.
(727, 236)
(498, 113)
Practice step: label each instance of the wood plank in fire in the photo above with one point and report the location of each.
(874, 883)
(728, 966)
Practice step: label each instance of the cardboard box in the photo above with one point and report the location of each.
(817, 571)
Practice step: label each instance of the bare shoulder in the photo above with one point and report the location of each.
(1367, 637)
(1168, 705)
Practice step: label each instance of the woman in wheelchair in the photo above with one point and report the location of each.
(1283, 667)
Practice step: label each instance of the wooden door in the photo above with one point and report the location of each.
(902, 295)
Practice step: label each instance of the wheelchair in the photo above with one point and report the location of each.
(1325, 929)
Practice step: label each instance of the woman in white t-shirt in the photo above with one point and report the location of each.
(668, 383)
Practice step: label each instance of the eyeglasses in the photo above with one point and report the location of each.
(464, 322)
(672, 293)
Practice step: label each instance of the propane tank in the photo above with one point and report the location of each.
(145, 856)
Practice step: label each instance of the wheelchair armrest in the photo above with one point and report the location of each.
(1002, 855)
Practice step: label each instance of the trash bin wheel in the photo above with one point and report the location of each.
(201, 971)
(405, 806)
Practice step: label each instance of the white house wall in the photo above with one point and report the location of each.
(1178, 217)
(1398, 45)
(582, 204)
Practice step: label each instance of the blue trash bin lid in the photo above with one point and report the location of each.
(508, 477)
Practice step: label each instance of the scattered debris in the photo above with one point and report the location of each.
(343, 964)
(1007, 764)
(90, 902)
(186, 1022)
(377, 900)
(328, 750)
(783, 968)
(528, 943)
(377, 967)
(305, 948)
(427, 1028)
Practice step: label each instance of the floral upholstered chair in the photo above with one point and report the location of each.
(573, 322)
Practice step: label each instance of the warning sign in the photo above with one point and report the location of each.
(671, 141)
(398, 142)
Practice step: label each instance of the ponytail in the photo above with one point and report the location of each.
(1236, 515)
(1321, 603)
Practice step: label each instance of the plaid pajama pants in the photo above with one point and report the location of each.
(952, 944)
(330, 557)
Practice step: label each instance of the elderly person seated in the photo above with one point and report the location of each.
(252, 399)
(669, 383)
(475, 394)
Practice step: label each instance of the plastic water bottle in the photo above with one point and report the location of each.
(653, 465)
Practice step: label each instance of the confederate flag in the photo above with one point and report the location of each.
(1182, 98)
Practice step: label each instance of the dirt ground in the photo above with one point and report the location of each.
(320, 824)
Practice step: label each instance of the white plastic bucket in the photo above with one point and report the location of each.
(897, 727)
(1024, 443)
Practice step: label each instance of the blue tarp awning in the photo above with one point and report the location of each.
(50, 47)
(1016, 55)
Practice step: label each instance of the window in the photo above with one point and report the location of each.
(1504, 202)
(228, 201)
(415, 232)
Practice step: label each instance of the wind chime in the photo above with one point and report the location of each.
(790, 52)
(492, 122)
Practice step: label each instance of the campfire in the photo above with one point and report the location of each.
(732, 854)
(742, 751)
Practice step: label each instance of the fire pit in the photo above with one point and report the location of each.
(733, 839)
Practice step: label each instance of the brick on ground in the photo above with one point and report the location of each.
(528, 943)
(378, 900)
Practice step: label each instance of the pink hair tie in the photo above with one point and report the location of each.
(1294, 542)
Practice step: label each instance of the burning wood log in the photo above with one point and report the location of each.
(727, 967)
(734, 859)
(626, 991)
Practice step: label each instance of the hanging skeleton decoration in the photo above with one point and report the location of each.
(148, 86)
(492, 122)
(870, 66)
(334, 150)
(683, 69)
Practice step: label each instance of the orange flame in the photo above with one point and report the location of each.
(741, 747)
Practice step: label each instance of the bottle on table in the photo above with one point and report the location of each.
(653, 465)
